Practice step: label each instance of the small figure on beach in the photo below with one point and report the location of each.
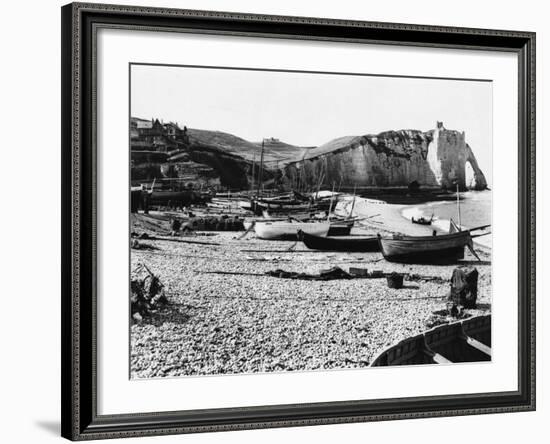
(175, 226)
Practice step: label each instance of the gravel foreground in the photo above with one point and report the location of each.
(223, 324)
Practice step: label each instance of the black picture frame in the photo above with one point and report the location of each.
(79, 395)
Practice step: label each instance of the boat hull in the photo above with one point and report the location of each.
(289, 230)
(258, 206)
(340, 229)
(443, 249)
(362, 245)
(462, 341)
(421, 222)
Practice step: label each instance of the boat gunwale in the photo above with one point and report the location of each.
(445, 236)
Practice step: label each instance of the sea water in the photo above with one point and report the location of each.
(475, 210)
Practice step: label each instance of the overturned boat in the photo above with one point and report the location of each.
(349, 244)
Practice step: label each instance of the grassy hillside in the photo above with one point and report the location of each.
(275, 151)
(333, 145)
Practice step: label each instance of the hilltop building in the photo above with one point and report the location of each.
(162, 151)
(154, 135)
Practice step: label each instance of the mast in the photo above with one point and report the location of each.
(302, 172)
(458, 206)
(331, 199)
(321, 178)
(353, 203)
(253, 168)
(260, 173)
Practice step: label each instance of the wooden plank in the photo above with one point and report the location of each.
(478, 345)
(439, 359)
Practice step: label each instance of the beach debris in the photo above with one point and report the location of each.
(329, 274)
(463, 291)
(147, 292)
(284, 251)
(440, 317)
(419, 277)
(139, 235)
(324, 275)
(140, 245)
(215, 223)
(268, 259)
(364, 273)
(395, 280)
(182, 241)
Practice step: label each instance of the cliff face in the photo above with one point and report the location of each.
(234, 171)
(435, 159)
(438, 158)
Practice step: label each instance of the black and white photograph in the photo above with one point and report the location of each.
(307, 221)
(284, 221)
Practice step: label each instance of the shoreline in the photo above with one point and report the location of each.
(388, 219)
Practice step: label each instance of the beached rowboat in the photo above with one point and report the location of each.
(340, 228)
(279, 230)
(444, 248)
(462, 341)
(422, 220)
(350, 244)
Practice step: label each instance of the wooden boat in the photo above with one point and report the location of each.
(292, 197)
(462, 341)
(422, 220)
(350, 244)
(282, 230)
(175, 198)
(249, 222)
(295, 206)
(340, 228)
(301, 216)
(440, 249)
(436, 249)
(245, 204)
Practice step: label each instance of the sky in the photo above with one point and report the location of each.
(310, 109)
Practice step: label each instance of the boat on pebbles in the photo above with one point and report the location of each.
(347, 244)
(435, 249)
(444, 248)
(280, 230)
(468, 340)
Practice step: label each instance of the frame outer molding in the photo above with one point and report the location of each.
(79, 420)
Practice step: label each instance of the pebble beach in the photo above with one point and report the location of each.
(248, 322)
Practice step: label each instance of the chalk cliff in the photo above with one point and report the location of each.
(437, 159)
(434, 159)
